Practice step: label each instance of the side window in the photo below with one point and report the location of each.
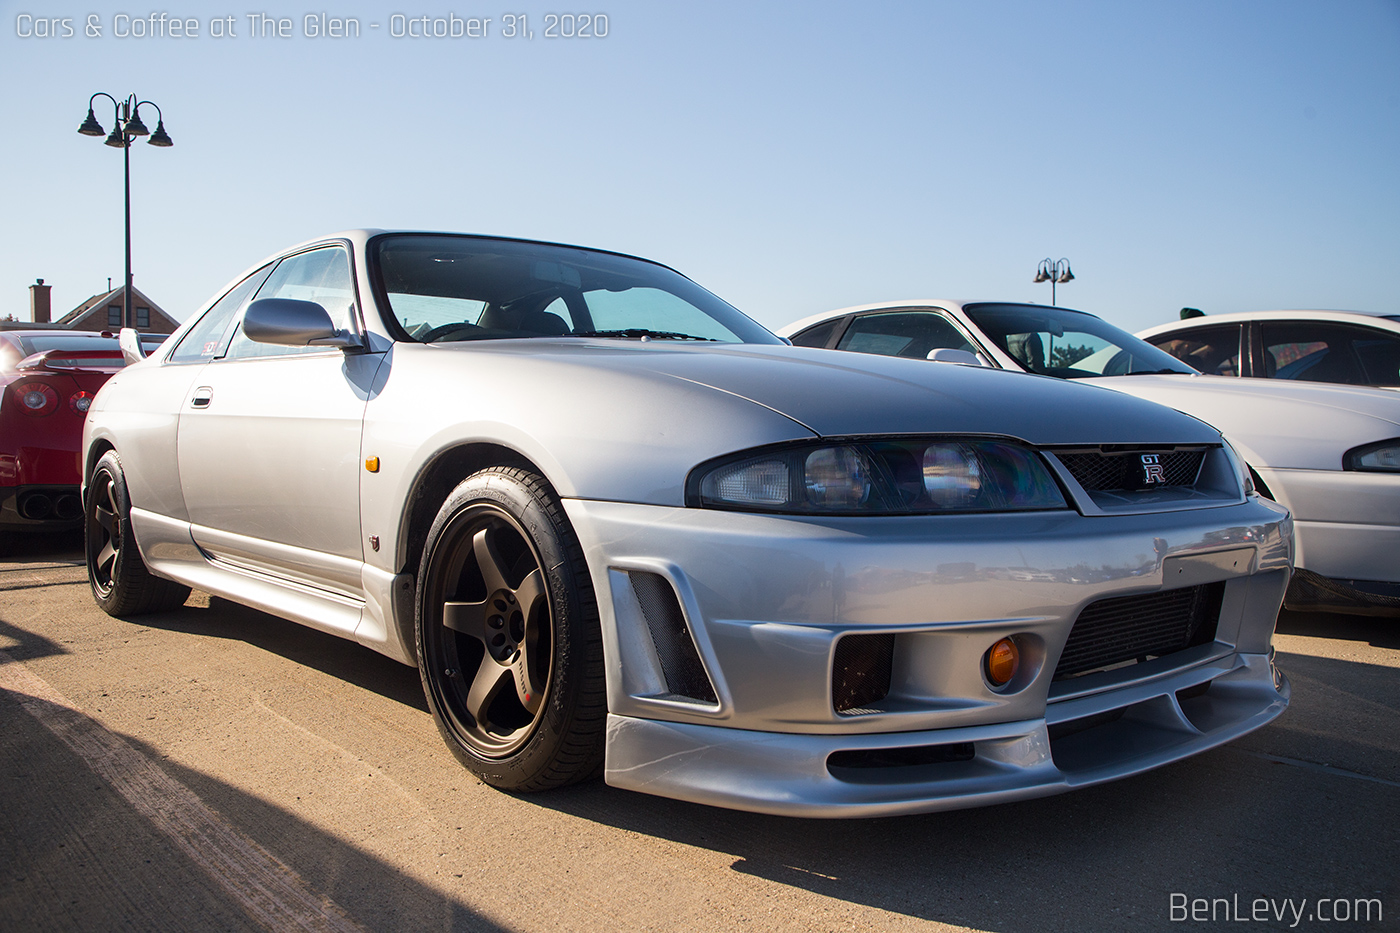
(1380, 356)
(818, 336)
(1214, 350)
(912, 334)
(1309, 352)
(322, 276)
(205, 340)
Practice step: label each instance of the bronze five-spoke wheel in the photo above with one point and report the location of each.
(508, 639)
(121, 584)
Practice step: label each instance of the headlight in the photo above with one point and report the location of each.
(891, 477)
(1383, 457)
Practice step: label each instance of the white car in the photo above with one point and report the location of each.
(1348, 347)
(1331, 453)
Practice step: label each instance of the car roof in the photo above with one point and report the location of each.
(1369, 318)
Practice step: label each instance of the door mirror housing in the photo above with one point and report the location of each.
(292, 322)
(949, 355)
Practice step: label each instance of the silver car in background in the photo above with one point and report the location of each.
(620, 528)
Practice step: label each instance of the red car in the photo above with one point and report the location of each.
(47, 381)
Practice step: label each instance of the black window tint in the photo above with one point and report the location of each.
(1213, 350)
(912, 334)
(205, 340)
(1310, 351)
(322, 276)
(818, 336)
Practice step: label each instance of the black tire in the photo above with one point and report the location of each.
(509, 645)
(121, 584)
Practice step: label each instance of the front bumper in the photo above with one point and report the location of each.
(764, 601)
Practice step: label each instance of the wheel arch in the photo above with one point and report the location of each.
(94, 453)
(431, 487)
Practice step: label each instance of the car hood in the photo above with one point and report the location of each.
(1274, 423)
(836, 394)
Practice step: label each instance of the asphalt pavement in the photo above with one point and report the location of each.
(216, 768)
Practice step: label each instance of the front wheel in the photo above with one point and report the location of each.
(508, 639)
(121, 584)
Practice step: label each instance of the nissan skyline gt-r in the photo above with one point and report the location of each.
(1330, 453)
(620, 528)
(47, 380)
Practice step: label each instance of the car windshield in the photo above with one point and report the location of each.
(1069, 344)
(446, 288)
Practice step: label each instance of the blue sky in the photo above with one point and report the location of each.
(790, 157)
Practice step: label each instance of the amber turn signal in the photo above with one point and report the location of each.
(372, 464)
(1002, 661)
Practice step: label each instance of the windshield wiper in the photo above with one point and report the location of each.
(640, 332)
(1156, 372)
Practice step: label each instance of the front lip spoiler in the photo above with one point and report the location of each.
(788, 774)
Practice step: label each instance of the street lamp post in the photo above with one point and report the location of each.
(126, 116)
(1054, 273)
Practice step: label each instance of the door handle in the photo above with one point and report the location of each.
(202, 397)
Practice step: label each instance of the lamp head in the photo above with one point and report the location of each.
(159, 137)
(134, 126)
(91, 127)
(116, 139)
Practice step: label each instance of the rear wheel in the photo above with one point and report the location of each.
(121, 584)
(508, 639)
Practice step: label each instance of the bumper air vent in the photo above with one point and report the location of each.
(860, 673)
(680, 662)
(1126, 629)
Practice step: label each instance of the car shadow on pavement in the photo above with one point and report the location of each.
(214, 617)
(1255, 818)
(76, 855)
(1377, 631)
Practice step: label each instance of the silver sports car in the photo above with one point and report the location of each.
(620, 528)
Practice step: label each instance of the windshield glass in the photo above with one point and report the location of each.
(445, 288)
(1069, 344)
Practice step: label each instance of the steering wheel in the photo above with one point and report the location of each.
(443, 330)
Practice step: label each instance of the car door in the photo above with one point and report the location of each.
(269, 441)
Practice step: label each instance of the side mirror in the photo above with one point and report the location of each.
(949, 355)
(292, 322)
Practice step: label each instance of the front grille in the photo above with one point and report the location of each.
(1135, 628)
(1104, 471)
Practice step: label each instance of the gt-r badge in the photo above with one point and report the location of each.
(1152, 470)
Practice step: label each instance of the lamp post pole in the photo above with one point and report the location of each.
(126, 116)
(1054, 273)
